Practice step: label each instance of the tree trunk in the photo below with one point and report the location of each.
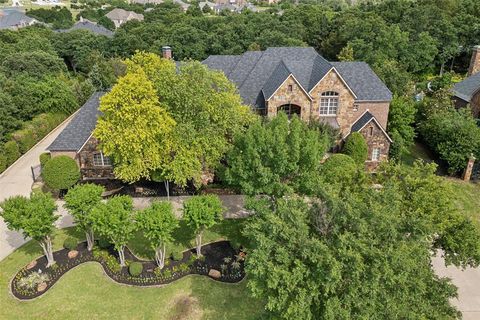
(451, 65)
(46, 245)
(442, 68)
(198, 241)
(160, 256)
(121, 256)
(167, 187)
(90, 239)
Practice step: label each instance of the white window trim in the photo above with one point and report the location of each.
(102, 157)
(330, 105)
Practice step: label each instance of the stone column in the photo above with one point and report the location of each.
(468, 170)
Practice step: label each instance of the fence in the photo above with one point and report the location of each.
(36, 172)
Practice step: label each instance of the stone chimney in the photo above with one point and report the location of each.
(475, 61)
(167, 52)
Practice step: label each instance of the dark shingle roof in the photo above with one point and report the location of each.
(363, 81)
(15, 19)
(258, 74)
(90, 26)
(77, 132)
(467, 88)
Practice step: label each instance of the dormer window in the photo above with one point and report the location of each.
(328, 103)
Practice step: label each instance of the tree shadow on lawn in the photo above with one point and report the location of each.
(184, 237)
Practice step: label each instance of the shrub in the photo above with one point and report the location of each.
(339, 168)
(236, 244)
(70, 243)
(177, 255)
(135, 268)
(167, 273)
(44, 157)
(25, 139)
(104, 243)
(3, 163)
(356, 147)
(33, 280)
(61, 172)
(11, 152)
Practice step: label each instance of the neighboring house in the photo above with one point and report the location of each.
(120, 16)
(14, 20)
(468, 91)
(348, 96)
(345, 95)
(93, 27)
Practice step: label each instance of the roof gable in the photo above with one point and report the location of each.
(365, 119)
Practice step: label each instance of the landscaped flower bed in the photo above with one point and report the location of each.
(35, 279)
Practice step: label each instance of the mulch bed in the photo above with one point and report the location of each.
(213, 253)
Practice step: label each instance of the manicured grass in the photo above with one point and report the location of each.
(467, 197)
(86, 293)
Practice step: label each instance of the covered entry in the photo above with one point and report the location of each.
(290, 109)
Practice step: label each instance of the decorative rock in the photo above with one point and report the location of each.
(31, 265)
(214, 274)
(42, 286)
(72, 254)
(138, 189)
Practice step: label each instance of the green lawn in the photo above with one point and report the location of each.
(86, 293)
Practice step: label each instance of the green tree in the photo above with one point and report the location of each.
(356, 147)
(115, 220)
(61, 173)
(157, 224)
(80, 201)
(135, 130)
(401, 118)
(204, 130)
(34, 217)
(201, 213)
(270, 158)
(11, 152)
(339, 168)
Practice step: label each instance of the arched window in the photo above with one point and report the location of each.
(329, 103)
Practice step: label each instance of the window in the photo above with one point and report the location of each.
(375, 154)
(355, 107)
(290, 88)
(370, 131)
(329, 103)
(99, 160)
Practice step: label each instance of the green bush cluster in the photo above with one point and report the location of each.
(110, 261)
(104, 243)
(25, 138)
(338, 168)
(356, 147)
(60, 173)
(44, 157)
(177, 255)
(70, 243)
(135, 268)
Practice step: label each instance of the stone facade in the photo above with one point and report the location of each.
(474, 61)
(290, 93)
(376, 139)
(348, 112)
(87, 167)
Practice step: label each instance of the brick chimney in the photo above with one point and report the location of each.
(167, 52)
(475, 61)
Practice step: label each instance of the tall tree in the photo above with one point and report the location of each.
(34, 217)
(135, 129)
(201, 213)
(157, 224)
(115, 220)
(271, 157)
(80, 201)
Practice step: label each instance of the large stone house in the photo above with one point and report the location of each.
(345, 95)
(120, 16)
(467, 92)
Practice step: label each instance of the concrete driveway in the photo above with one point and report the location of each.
(17, 180)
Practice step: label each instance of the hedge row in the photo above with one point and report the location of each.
(25, 138)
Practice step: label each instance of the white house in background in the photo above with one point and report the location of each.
(14, 20)
(120, 16)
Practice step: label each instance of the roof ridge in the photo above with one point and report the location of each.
(253, 67)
